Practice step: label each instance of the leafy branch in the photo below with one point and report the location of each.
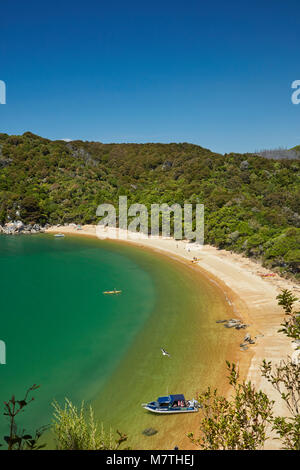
(19, 439)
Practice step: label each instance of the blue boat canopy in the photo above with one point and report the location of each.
(171, 398)
(177, 397)
(163, 400)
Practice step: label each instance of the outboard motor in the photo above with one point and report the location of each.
(194, 403)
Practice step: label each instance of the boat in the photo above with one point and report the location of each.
(112, 291)
(172, 404)
(57, 235)
(268, 275)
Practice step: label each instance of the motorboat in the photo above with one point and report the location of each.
(172, 404)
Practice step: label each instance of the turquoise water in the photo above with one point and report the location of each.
(61, 332)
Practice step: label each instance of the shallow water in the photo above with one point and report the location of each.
(64, 334)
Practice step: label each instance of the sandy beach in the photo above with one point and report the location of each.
(252, 297)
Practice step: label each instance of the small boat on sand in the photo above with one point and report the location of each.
(268, 275)
(112, 292)
(172, 404)
(58, 235)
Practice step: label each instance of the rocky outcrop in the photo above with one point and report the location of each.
(247, 340)
(167, 165)
(81, 153)
(18, 227)
(233, 323)
(5, 162)
(244, 165)
(238, 325)
(149, 432)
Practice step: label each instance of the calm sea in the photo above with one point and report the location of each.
(62, 333)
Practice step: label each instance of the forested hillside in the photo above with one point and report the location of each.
(252, 204)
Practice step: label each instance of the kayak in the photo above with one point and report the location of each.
(112, 292)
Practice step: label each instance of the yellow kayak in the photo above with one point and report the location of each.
(112, 291)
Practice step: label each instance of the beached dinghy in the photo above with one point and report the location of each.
(172, 404)
(112, 291)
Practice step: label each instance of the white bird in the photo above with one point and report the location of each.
(165, 353)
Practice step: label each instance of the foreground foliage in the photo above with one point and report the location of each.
(242, 421)
(239, 423)
(285, 377)
(18, 438)
(75, 429)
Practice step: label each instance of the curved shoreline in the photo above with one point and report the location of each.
(252, 297)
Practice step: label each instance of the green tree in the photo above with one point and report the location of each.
(238, 423)
(285, 376)
(241, 422)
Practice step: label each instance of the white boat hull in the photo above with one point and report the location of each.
(170, 411)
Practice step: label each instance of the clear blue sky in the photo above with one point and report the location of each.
(215, 73)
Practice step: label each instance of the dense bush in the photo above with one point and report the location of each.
(251, 203)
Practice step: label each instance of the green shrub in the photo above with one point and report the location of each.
(76, 429)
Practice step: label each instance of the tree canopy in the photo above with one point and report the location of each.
(251, 202)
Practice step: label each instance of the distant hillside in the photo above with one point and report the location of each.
(252, 203)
